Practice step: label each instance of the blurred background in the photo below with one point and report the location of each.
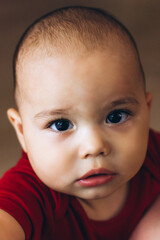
(141, 17)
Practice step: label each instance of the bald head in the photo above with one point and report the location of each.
(70, 31)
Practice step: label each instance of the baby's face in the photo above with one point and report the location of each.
(81, 114)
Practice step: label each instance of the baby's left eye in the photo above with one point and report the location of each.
(117, 116)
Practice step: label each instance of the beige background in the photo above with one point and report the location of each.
(142, 18)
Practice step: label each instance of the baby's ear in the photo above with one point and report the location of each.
(16, 121)
(149, 99)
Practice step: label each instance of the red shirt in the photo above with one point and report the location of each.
(47, 215)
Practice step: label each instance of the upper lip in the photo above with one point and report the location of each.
(96, 172)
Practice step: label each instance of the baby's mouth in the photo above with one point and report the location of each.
(96, 177)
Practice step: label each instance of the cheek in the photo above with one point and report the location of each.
(51, 161)
(132, 150)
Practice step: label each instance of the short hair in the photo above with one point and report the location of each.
(69, 29)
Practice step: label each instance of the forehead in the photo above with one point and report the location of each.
(66, 75)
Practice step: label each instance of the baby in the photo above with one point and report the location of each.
(90, 165)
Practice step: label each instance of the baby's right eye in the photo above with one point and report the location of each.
(60, 125)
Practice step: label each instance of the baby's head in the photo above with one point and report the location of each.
(82, 105)
(69, 32)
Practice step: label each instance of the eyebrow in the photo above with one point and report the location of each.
(52, 112)
(48, 113)
(128, 100)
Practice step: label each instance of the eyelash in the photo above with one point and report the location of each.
(120, 113)
(65, 124)
(68, 124)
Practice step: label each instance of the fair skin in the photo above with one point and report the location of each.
(10, 229)
(149, 226)
(105, 112)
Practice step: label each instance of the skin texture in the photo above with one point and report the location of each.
(85, 90)
(10, 228)
(149, 226)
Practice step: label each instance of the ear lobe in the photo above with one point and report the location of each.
(16, 121)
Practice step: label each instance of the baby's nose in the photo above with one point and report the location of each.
(94, 143)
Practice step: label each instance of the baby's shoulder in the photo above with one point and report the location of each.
(149, 226)
(25, 197)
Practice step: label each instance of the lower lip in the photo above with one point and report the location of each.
(95, 180)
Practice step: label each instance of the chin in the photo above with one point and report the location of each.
(94, 195)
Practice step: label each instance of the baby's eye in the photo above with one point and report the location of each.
(60, 125)
(117, 116)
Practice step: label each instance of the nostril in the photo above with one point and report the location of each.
(95, 155)
(102, 153)
(86, 156)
